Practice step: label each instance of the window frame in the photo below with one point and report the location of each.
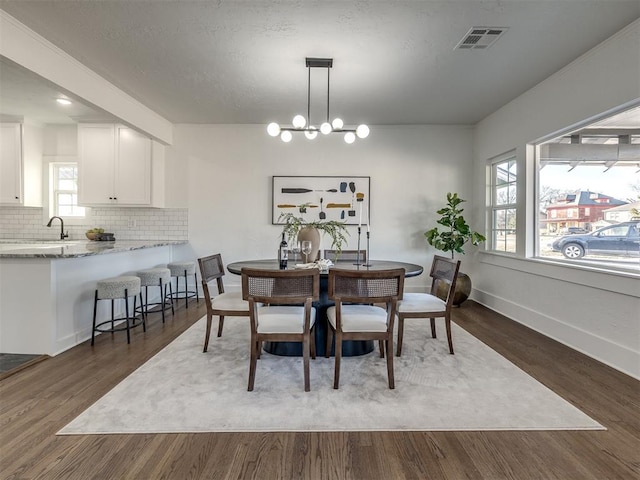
(509, 157)
(55, 189)
(533, 169)
(48, 203)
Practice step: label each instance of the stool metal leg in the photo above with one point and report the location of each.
(112, 318)
(142, 316)
(145, 307)
(195, 279)
(173, 312)
(95, 309)
(126, 312)
(186, 294)
(163, 305)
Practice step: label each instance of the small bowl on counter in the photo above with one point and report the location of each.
(100, 237)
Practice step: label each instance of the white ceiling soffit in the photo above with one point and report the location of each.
(480, 38)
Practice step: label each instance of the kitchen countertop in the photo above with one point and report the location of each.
(75, 248)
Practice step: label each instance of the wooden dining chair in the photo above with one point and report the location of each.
(223, 303)
(355, 317)
(345, 255)
(280, 310)
(429, 305)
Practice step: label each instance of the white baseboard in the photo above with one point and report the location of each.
(616, 356)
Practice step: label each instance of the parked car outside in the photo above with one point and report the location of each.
(622, 239)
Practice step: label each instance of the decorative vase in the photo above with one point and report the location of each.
(462, 291)
(313, 235)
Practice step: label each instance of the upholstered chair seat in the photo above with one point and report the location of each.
(360, 318)
(278, 319)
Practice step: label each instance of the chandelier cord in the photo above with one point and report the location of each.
(328, 83)
(309, 96)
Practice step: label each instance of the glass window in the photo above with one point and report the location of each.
(503, 204)
(589, 181)
(64, 183)
(619, 231)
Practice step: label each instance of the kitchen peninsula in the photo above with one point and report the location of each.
(47, 288)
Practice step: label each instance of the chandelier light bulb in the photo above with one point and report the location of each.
(299, 121)
(273, 129)
(311, 133)
(325, 128)
(362, 131)
(286, 136)
(349, 137)
(337, 124)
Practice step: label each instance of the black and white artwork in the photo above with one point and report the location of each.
(344, 199)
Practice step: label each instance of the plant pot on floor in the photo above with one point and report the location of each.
(462, 291)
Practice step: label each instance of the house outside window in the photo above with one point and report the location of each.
(503, 196)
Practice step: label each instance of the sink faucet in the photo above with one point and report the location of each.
(62, 234)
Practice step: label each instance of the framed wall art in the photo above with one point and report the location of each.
(342, 198)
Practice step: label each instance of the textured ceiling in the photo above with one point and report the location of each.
(394, 61)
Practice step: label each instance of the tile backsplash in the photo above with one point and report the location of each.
(125, 223)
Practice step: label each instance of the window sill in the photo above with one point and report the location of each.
(618, 281)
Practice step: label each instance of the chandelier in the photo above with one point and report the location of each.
(302, 124)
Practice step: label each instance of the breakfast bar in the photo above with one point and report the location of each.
(47, 288)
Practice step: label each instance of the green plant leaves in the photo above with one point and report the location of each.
(336, 230)
(458, 232)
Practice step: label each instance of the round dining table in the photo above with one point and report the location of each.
(349, 347)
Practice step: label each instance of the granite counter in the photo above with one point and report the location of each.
(75, 248)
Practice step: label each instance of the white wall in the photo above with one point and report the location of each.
(223, 175)
(32, 163)
(596, 313)
(60, 140)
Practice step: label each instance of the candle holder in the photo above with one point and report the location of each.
(358, 250)
(368, 257)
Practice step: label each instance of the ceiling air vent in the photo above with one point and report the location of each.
(480, 38)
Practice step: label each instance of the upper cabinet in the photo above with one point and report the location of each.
(116, 167)
(20, 165)
(10, 163)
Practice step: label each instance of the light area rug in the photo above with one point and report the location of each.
(182, 389)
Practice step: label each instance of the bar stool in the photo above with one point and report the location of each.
(118, 288)
(182, 269)
(155, 277)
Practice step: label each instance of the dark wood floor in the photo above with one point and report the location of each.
(37, 401)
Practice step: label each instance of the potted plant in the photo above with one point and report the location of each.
(452, 238)
(298, 229)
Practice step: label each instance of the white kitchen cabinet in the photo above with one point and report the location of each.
(114, 166)
(10, 163)
(20, 165)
